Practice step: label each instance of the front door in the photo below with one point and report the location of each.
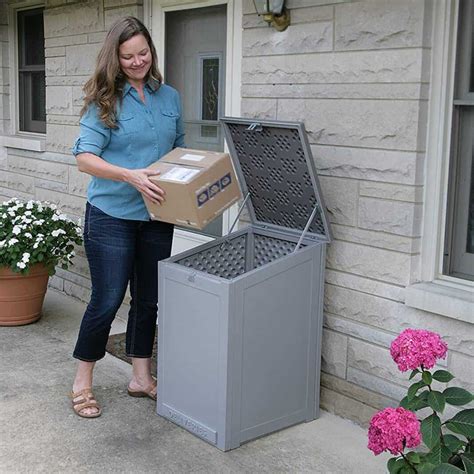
(194, 64)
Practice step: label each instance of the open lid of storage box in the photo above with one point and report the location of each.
(275, 167)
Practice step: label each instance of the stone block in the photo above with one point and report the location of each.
(462, 367)
(395, 217)
(17, 182)
(39, 168)
(335, 91)
(65, 41)
(303, 38)
(334, 353)
(81, 267)
(7, 193)
(77, 291)
(85, 17)
(397, 65)
(259, 108)
(346, 407)
(383, 265)
(376, 384)
(98, 37)
(121, 3)
(379, 25)
(361, 331)
(396, 192)
(3, 158)
(60, 138)
(356, 392)
(365, 285)
(340, 197)
(386, 124)
(374, 165)
(375, 360)
(53, 185)
(56, 283)
(78, 182)
(45, 156)
(77, 96)
(58, 100)
(382, 240)
(70, 205)
(78, 63)
(111, 16)
(53, 52)
(63, 119)
(55, 66)
(70, 275)
(67, 80)
(311, 14)
(394, 316)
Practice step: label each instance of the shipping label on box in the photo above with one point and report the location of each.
(199, 186)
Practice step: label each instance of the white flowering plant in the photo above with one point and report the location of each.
(34, 232)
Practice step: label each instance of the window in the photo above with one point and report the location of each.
(459, 251)
(31, 71)
(209, 94)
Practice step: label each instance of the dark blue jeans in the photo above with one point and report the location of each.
(120, 251)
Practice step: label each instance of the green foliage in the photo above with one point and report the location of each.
(448, 453)
(462, 423)
(35, 232)
(457, 396)
(443, 376)
(430, 430)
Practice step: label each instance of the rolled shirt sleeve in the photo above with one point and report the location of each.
(94, 135)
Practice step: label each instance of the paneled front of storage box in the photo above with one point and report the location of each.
(240, 322)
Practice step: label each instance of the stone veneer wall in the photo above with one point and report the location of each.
(357, 74)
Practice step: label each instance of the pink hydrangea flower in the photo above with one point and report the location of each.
(392, 429)
(414, 348)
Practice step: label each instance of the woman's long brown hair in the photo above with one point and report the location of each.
(105, 87)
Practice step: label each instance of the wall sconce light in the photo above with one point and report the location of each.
(274, 13)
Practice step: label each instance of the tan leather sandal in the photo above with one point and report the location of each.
(87, 400)
(148, 392)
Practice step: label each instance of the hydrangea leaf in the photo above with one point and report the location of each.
(462, 423)
(452, 442)
(446, 468)
(430, 430)
(457, 396)
(443, 376)
(436, 401)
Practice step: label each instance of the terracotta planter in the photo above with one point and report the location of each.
(22, 296)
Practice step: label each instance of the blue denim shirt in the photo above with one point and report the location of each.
(145, 132)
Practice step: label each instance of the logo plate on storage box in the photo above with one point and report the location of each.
(190, 424)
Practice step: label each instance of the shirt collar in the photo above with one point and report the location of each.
(152, 84)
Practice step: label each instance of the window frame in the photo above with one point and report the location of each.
(431, 290)
(458, 262)
(14, 80)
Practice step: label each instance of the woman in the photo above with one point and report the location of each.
(130, 119)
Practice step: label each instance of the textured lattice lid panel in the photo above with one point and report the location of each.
(275, 168)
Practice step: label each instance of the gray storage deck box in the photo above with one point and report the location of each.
(240, 318)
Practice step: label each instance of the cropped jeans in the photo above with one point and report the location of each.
(120, 252)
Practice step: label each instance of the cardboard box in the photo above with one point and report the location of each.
(199, 186)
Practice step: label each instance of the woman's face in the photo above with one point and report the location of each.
(135, 58)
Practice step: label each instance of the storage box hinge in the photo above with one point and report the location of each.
(255, 126)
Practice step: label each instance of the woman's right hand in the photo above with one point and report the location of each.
(139, 179)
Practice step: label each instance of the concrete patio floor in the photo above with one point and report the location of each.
(40, 433)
